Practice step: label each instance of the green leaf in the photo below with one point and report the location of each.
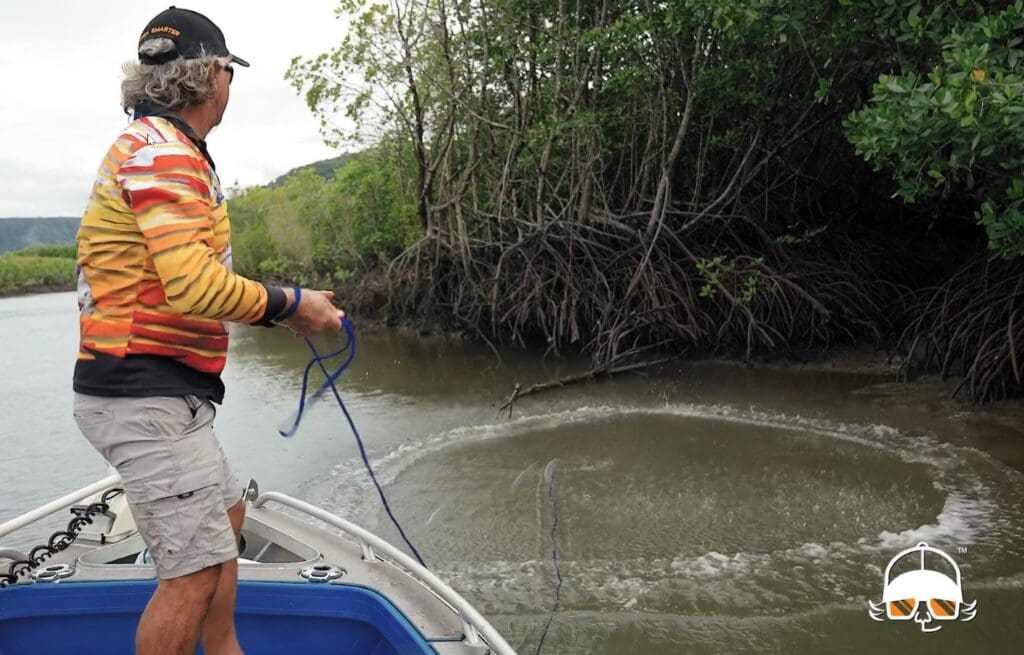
(914, 19)
(894, 87)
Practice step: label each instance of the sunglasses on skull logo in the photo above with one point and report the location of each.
(941, 609)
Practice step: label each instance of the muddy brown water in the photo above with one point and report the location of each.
(716, 509)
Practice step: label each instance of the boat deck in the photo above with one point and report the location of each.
(295, 578)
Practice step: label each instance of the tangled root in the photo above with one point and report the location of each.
(603, 287)
(972, 327)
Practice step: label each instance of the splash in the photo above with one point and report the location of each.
(836, 573)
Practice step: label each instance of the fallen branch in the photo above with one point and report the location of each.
(592, 374)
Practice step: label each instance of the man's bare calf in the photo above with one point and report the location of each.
(218, 635)
(174, 616)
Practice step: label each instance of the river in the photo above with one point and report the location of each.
(718, 509)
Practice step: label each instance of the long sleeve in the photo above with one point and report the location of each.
(168, 189)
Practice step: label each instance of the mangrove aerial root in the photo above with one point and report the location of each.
(602, 286)
(971, 327)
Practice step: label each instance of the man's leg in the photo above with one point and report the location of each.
(173, 618)
(167, 454)
(219, 636)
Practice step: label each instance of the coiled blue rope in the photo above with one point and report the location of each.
(289, 428)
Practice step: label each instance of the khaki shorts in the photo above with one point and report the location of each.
(175, 476)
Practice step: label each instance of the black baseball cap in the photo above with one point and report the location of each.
(193, 34)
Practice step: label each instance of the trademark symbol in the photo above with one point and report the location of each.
(961, 550)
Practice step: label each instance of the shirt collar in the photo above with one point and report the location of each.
(146, 108)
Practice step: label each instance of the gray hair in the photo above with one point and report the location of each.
(174, 84)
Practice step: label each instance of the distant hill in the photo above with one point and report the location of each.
(21, 233)
(324, 168)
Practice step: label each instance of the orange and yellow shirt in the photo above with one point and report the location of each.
(154, 269)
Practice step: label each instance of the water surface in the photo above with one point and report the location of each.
(712, 510)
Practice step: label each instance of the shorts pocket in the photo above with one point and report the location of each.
(91, 412)
(170, 417)
(149, 489)
(186, 533)
(89, 419)
(159, 523)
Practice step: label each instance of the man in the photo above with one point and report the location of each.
(156, 287)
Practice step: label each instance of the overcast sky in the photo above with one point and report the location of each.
(60, 68)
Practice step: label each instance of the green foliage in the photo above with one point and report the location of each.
(953, 126)
(718, 271)
(315, 230)
(712, 271)
(807, 236)
(946, 114)
(382, 220)
(252, 245)
(541, 139)
(325, 168)
(66, 252)
(46, 266)
(367, 59)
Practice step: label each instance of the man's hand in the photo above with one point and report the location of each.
(314, 314)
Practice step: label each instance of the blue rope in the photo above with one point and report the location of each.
(329, 383)
(554, 559)
(292, 422)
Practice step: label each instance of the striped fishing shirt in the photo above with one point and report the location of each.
(154, 269)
